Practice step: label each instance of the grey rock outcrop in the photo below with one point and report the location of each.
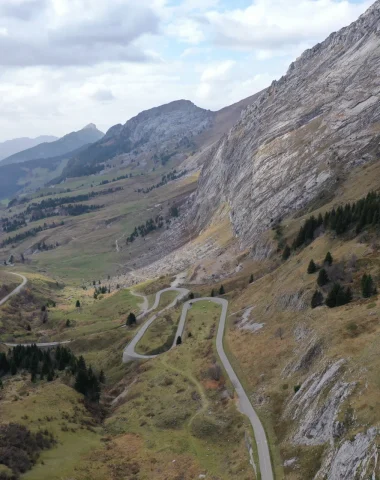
(314, 408)
(300, 134)
(356, 458)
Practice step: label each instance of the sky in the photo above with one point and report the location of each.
(67, 63)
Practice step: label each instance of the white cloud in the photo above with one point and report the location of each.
(65, 62)
(272, 24)
(186, 30)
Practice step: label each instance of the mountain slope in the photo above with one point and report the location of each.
(300, 136)
(16, 145)
(155, 136)
(62, 146)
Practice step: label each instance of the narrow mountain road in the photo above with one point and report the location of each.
(16, 290)
(245, 405)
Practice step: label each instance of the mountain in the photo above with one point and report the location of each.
(62, 146)
(157, 135)
(10, 147)
(302, 135)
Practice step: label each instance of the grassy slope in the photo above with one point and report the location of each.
(87, 243)
(58, 408)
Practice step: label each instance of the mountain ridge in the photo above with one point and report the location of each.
(69, 142)
(16, 145)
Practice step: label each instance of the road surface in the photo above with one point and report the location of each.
(245, 405)
(17, 289)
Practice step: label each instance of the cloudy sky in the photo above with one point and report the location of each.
(66, 63)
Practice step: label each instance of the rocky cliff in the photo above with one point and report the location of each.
(300, 134)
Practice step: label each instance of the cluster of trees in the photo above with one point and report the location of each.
(221, 291)
(337, 295)
(20, 449)
(29, 233)
(164, 180)
(80, 209)
(142, 230)
(163, 157)
(59, 201)
(47, 208)
(152, 224)
(13, 223)
(47, 363)
(121, 177)
(352, 216)
(43, 247)
(101, 291)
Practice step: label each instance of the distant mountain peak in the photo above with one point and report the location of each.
(90, 126)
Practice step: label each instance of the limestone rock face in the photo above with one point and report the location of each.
(300, 134)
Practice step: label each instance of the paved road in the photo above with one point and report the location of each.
(17, 289)
(245, 405)
(129, 352)
(40, 345)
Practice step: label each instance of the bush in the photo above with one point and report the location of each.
(20, 448)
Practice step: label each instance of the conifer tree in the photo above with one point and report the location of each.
(221, 290)
(77, 304)
(212, 293)
(312, 268)
(317, 299)
(179, 341)
(368, 288)
(286, 252)
(328, 259)
(323, 278)
(251, 278)
(131, 320)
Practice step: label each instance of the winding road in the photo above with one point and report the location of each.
(245, 405)
(17, 289)
(130, 354)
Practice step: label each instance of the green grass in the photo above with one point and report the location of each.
(57, 408)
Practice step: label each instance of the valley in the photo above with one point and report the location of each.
(194, 294)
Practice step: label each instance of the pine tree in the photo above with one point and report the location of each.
(338, 296)
(179, 341)
(317, 299)
(251, 278)
(221, 290)
(191, 296)
(286, 252)
(368, 288)
(323, 278)
(131, 320)
(77, 304)
(50, 376)
(102, 378)
(328, 259)
(312, 268)
(212, 293)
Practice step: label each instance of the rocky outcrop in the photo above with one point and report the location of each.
(314, 408)
(352, 459)
(301, 134)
